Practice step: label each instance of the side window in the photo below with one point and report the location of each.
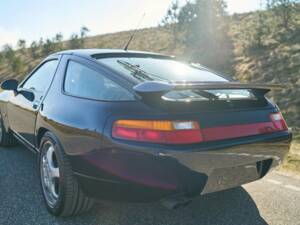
(82, 81)
(41, 78)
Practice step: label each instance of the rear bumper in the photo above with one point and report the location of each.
(128, 173)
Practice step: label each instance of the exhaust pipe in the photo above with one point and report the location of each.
(175, 202)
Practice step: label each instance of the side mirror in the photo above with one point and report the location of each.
(11, 85)
(27, 94)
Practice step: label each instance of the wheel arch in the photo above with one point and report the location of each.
(40, 133)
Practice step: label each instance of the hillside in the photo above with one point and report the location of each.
(278, 61)
(150, 39)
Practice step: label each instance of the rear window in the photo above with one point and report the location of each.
(145, 69)
(169, 70)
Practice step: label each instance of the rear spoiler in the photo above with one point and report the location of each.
(156, 88)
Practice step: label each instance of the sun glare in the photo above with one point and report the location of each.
(180, 69)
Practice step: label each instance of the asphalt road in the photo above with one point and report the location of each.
(272, 200)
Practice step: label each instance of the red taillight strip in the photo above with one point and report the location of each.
(235, 131)
(156, 136)
(188, 132)
(276, 124)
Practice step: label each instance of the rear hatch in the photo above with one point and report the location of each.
(211, 106)
(223, 110)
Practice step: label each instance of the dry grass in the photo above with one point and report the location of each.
(292, 161)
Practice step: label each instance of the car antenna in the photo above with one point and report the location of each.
(133, 34)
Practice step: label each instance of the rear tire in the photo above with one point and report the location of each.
(61, 191)
(6, 138)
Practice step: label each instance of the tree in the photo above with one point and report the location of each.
(14, 61)
(22, 45)
(260, 27)
(284, 10)
(48, 47)
(58, 37)
(58, 41)
(204, 26)
(269, 4)
(41, 42)
(172, 14)
(8, 52)
(253, 31)
(17, 65)
(83, 33)
(1, 58)
(170, 22)
(75, 42)
(34, 49)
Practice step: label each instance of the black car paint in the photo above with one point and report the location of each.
(124, 170)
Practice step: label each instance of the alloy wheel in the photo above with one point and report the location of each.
(50, 174)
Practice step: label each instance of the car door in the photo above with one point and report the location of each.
(21, 111)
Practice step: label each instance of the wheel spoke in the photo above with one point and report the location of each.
(47, 184)
(54, 172)
(49, 155)
(53, 191)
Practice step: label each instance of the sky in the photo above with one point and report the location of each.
(32, 19)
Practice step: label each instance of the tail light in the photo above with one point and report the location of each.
(188, 132)
(156, 131)
(278, 121)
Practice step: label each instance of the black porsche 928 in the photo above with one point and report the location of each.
(140, 127)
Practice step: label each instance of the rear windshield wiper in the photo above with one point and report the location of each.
(207, 94)
(138, 73)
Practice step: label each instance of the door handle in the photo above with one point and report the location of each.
(35, 104)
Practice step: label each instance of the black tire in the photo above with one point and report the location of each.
(6, 138)
(71, 200)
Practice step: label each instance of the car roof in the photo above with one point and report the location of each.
(95, 53)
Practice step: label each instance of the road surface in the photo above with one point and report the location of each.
(272, 200)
